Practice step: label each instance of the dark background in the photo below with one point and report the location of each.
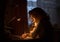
(3, 4)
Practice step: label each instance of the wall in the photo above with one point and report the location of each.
(16, 9)
(50, 7)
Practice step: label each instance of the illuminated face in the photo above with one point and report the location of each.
(32, 18)
(34, 26)
(34, 23)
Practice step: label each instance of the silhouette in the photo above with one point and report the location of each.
(44, 29)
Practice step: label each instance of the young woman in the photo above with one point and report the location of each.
(40, 24)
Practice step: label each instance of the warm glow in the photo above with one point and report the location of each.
(18, 19)
(29, 35)
(35, 25)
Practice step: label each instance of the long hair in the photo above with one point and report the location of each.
(37, 12)
(45, 22)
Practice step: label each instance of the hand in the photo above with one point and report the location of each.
(24, 35)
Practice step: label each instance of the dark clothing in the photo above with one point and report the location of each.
(44, 30)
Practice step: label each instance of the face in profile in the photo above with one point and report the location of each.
(32, 18)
